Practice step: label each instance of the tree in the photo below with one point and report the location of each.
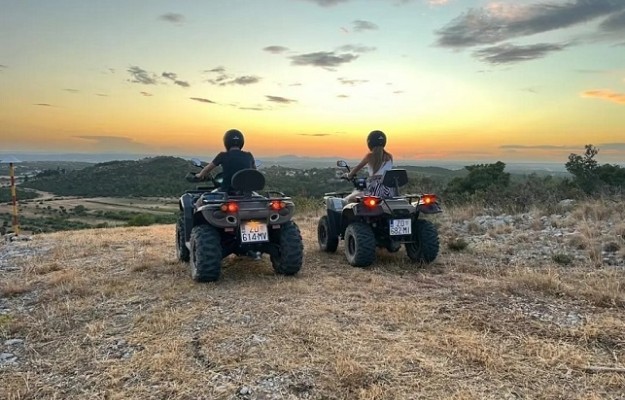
(584, 168)
(481, 177)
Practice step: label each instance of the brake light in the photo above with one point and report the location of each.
(371, 201)
(230, 208)
(277, 205)
(428, 199)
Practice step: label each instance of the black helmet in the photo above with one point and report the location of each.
(234, 138)
(376, 138)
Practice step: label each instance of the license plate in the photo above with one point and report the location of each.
(400, 227)
(254, 231)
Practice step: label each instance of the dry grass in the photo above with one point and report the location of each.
(110, 314)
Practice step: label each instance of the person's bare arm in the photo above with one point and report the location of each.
(205, 171)
(358, 167)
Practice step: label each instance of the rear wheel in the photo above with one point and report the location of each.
(290, 254)
(205, 253)
(327, 241)
(424, 249)
(359, 244)
(182, 252)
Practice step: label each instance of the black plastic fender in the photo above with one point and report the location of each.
(186, 207)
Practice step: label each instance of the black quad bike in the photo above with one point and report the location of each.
(372, 222)
(214, 224)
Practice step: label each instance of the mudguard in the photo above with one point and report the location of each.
(186, 207)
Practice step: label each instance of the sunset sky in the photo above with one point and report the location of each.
(472, 80)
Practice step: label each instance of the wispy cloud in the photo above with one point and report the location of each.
(43, 105)
(356, 48)
(327, 3)
(146, 94)
(224, 79)
(538, 147)
(114, 143)
(139, 75)
(3, 67)
(508, 53)
(71, 90)
(202, 100)
(499, 22)
(314, 134)
(276, 49)
(173, 18)
(605, 94)
(324, 59)
(361, 26)
(174, 78)
(352, 82)
(281, 100)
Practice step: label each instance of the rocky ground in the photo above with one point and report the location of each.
(517, 306)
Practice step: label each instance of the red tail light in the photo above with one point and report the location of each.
(230, 208)
(370, 201)
(277, 205)
(428, 199)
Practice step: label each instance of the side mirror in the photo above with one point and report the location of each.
(341, 163)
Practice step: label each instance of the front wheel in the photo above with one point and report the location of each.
(359, 244)
(424, 249)
(289, 257)
(327, 241)
(205, 253)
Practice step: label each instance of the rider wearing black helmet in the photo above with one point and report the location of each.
(232, 160)
(378, 161)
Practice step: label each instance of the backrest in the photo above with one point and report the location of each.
(395, 178)
(248, 180)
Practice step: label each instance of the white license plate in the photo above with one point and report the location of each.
(254, 231)
(400, 227)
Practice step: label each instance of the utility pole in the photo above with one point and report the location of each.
(11, 161)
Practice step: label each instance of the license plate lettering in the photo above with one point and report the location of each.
(400, 227)
(254, 232)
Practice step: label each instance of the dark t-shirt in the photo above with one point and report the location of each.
(233, 161)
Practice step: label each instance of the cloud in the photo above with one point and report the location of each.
(174, 78)
(43, 105)
(223, 79)
(102, 95)
(352, 82)
(327, 3)
(202, 100)
(437, 2)
(114, 143)
(3, 67)
(611, 146)
(139, 75)
(146, 94)
(508, 53)
(71, 90)
(499, 21)
(281, 100)
(276, 49)
(605, 94)
(361, 26)
(356, 48)
(173, 18)
(324, 59)
(314, 134)
(252, 108)
(342, 96)
(538, 147)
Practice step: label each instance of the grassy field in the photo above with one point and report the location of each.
(111, 314)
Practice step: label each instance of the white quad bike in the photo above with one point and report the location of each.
(372, 222)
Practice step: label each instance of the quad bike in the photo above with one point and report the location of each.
(372, 222)
(214, 224)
